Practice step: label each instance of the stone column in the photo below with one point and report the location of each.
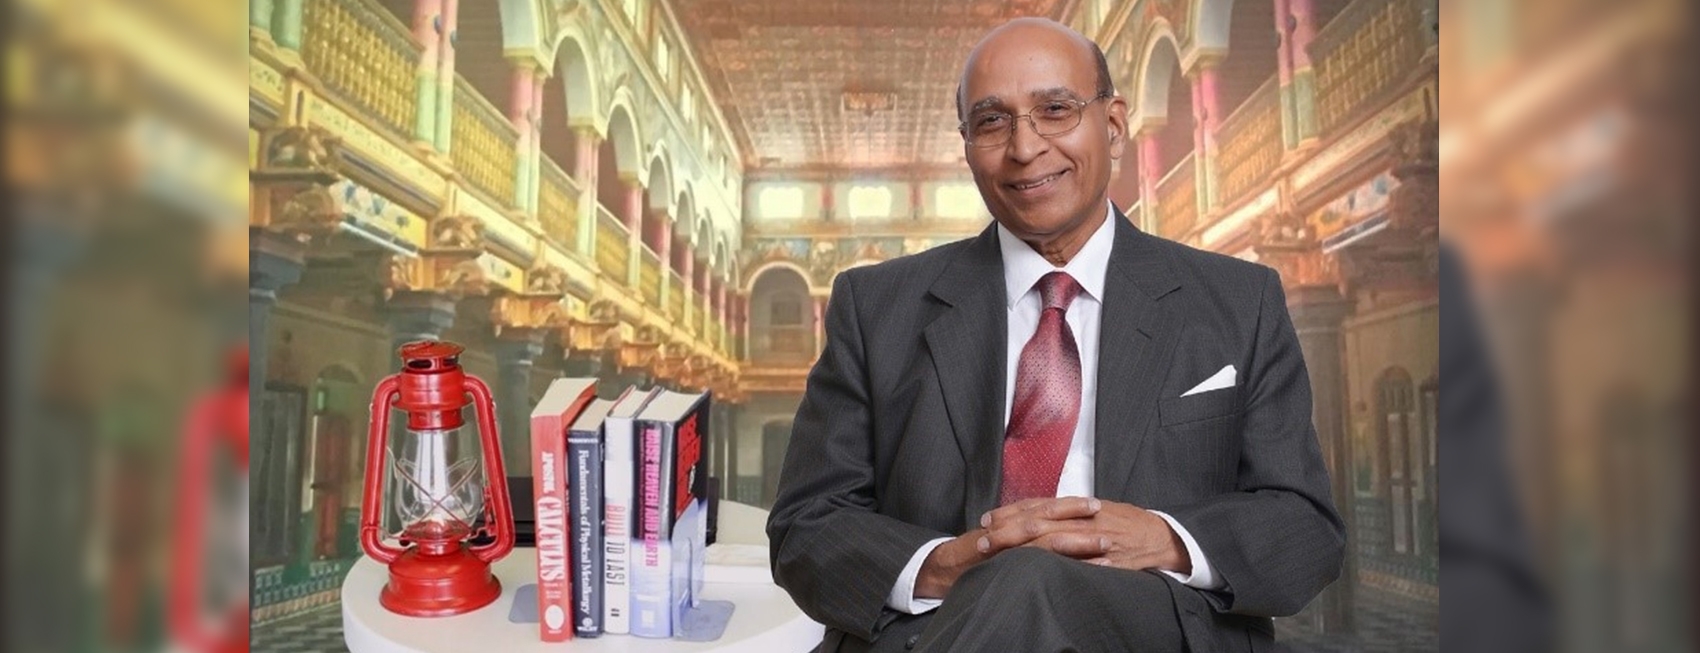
(1150, 172)
(538, 81)
(273, 263)
(523, 97)
(516, 351)
(820, 323)
(446, 75)
(288, 28)
(1207, 117)
(1303, 13)
(634, 229)
(1318, 312)
(584, 171)
(260, 18)
(426, 13)
(1284, 73)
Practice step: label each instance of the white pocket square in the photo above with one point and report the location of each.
(1223, 378)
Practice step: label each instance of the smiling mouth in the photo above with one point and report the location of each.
(1030, 185)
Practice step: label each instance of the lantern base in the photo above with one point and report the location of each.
(439, 585)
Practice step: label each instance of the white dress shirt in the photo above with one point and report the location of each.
(1022, 268)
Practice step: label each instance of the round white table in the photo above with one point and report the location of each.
(763, 621)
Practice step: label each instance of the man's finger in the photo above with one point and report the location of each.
(1073, 544)
(1024, 529)
(1049, 508)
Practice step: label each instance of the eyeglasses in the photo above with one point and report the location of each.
(1051, 118)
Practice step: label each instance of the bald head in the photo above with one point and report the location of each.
(1030, 33)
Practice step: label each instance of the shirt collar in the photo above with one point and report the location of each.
(1022, 267)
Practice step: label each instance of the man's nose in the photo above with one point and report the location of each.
(1026, 144)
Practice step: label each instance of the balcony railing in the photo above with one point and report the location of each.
(649, 276)
(613, 250)
(675, 295)
(1361, 56)
(1251, 144)
(483, 144)
(1177, 201)
(695, 315)
(557, 205)
(365, 57)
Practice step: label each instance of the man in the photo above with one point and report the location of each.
(1063, 434)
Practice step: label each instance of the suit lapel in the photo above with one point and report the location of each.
(967, 343)
(1136, 337)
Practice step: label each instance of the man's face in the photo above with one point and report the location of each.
(1042, 188)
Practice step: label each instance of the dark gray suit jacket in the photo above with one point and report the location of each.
(899, 436)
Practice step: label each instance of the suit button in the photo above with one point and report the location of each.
(910, 645)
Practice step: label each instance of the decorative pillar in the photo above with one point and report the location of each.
(687, 267)
(260, 18)
(1284, 72)
(633, 216)
(1318, 311)
(1150, 172)
(522, 101)
(820, 323)
(426, 14)
(516, 350)
(538, 80)
(1303, 22)
(1207, 117)
(584, 170)
(289, 24)
(915, 200)
(446, 74)
(274, 262)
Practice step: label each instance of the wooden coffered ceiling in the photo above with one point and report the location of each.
(849, 85)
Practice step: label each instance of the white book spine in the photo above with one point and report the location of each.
(617, 488)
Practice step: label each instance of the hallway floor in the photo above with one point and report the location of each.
(317, 631)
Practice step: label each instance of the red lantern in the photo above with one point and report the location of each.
(441, 488)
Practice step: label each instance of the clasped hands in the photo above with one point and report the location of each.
(1084, 528)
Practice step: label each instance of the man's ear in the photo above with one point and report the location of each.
(1116, 124)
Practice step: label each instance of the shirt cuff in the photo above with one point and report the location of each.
(1202, 576)
(902, 597)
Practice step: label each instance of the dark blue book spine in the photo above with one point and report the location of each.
(584, 456)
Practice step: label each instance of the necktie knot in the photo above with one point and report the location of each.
(1057, 290)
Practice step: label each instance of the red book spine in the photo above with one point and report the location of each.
(554, 573)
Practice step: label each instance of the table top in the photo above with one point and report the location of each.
(765, 619)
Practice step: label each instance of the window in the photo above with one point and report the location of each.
(958, 201)
(786, 202)
(870, 202)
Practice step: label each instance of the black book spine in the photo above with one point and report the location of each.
(584, 455)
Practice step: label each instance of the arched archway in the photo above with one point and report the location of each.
(657, 199)
(617, 166)
(781, 317)
(569, 101)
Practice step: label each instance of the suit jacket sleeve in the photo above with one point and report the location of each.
(1277, 541)
(831, 548)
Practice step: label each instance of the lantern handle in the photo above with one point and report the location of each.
(377, 443)
(495, 475)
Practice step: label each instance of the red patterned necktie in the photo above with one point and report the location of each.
(1047, 399)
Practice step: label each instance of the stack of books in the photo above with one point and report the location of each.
(620, 494)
